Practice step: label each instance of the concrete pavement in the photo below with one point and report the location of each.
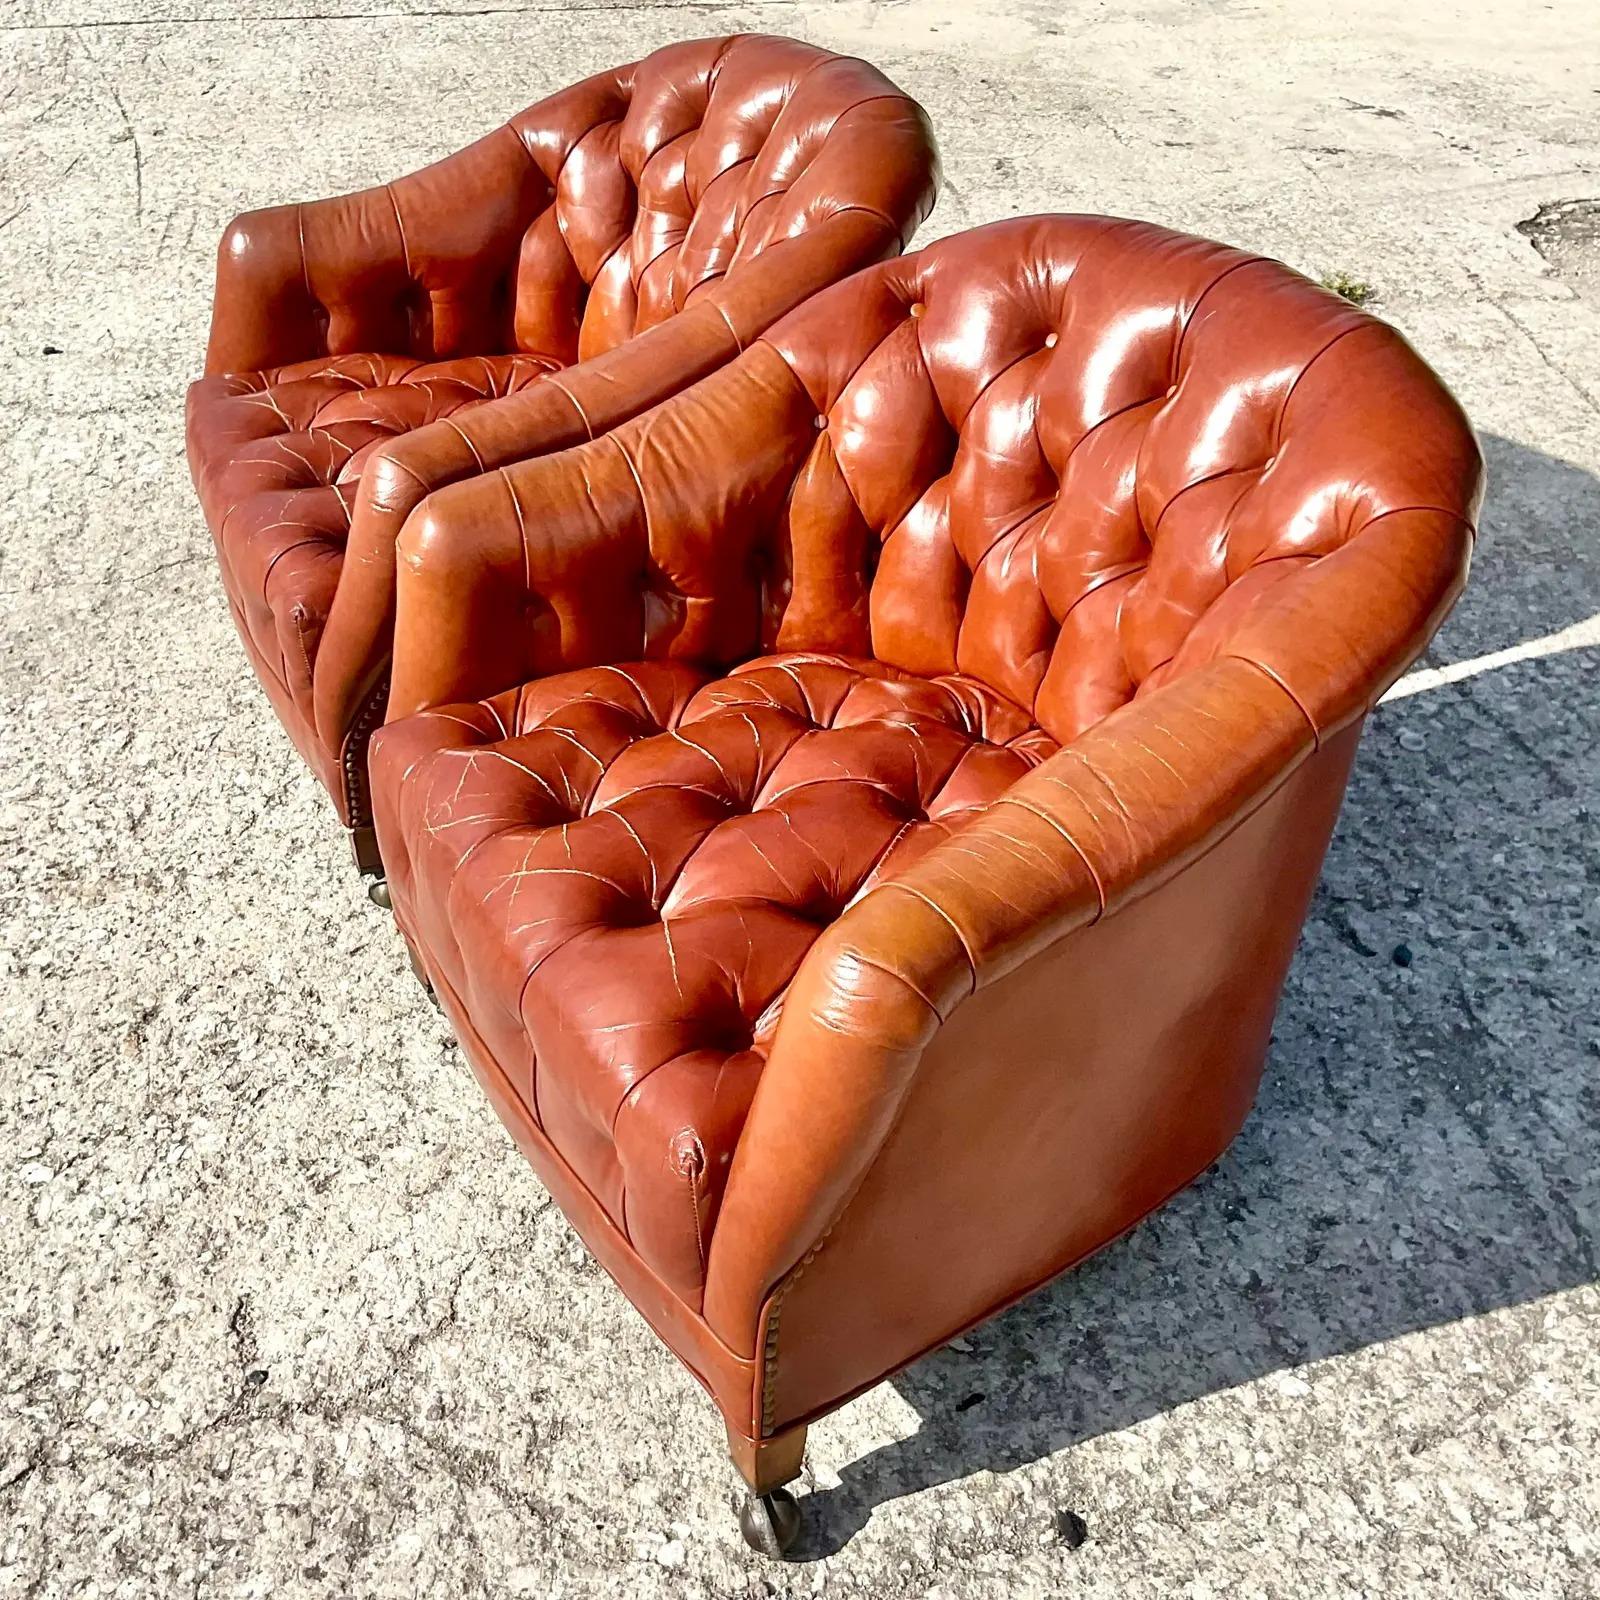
(282, 1312)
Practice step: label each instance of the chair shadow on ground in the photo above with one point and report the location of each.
(1424, 1131)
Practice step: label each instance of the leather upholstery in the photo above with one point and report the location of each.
(860, 812)
(604, 248)
(665, 826)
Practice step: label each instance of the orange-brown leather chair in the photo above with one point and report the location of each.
(594, 255)
(858, 815)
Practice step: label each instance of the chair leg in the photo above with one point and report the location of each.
(769, 1519)
(364, 847)
(369, 863)
(421, 974)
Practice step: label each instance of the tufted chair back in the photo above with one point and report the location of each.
(1069, 457)
(1105, 444)
(597, 213)
(665, 176)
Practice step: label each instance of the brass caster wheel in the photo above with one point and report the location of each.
(770, 1523)
(378, 893)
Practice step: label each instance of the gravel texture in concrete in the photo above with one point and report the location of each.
(282, 1312)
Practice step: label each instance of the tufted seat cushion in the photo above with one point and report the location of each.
(278, 457)
(619, 869)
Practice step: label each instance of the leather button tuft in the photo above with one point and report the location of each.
(688, 1154)
(821, 423)
(1172, 391)
(633, 914)
(1050, 340)
(917, 308)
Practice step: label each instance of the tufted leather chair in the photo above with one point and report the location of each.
(601, 250)
(858, 815)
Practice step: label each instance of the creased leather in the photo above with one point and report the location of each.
(605, 248)
(867, 803)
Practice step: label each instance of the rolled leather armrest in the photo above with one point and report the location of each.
(1275, 674)
(407, 267)
(1337, 632)
(566, 408)
(1102, 822)
(536, 567)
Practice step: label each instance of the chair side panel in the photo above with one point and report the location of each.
(1058, 1107)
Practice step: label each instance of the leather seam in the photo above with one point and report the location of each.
(522, 530)
(1299, 377)
(1299, 705)
(555, 182)
(1102, 580)
(544, 177)
(865, 211)
(889, 972)
(1194, 311)
(1094, 428)
(305, 265)
(694, 1206)
(671, 244)
(1014, 799)
(961, 939)
(716, 305)
(1400, 511)
(313, 538)
(297, 615)
(472, 450)
(400, 228)
(583, 416)
(638, 485)
(1200, 483)
(715, 71)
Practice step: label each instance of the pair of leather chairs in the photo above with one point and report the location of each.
(859, 732)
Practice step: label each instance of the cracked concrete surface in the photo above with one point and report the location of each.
(283, 1312)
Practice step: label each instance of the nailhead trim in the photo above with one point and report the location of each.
(357, 803)
(769, 1357)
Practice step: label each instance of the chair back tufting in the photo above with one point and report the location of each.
(1073, 454)
(595, 214)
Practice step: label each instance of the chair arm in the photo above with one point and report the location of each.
(1098, 826)
(1336, 632)
(407, 267)
(636, 545)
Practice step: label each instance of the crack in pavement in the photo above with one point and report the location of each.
(127, 122)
